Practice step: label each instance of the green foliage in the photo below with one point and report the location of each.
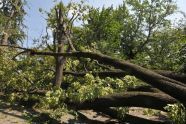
(88, 88)
(177, 113)
(53, 98)
(53, 104)
(70, 13)
(100, 31)
(151, 112)
(7, 68)
(11, 20)
(136, 30)
(122, 111)
(22, 74)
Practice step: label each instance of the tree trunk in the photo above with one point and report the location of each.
(59, 71)
(128, 99)
(143, 89)
(60, 60)
(4, 40)
(119, 73)
(174, 75)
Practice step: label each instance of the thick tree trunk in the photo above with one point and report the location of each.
(172, 87)
(128, 99)
(143, 89)
(103, 74)
(174, 75)
(59, 71)
(60, 60)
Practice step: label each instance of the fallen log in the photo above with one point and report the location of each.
(103, 74)
(173, 75)
(172, 87)
(143, 89)
(119, 73)
(127, 99)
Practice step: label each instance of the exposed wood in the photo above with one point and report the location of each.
(163, 83)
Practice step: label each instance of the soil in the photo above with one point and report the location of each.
(16, 115)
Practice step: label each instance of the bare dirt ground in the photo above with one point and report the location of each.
(11, 115)
(17, 115)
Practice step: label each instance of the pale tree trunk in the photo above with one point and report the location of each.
(61, 38)
(60, 61)
(4, 40)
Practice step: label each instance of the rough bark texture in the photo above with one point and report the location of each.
(103, 74)
(60, 60)
(174, 75)
(59, 71)
(128, 99)
(172, 87)
(143, 89)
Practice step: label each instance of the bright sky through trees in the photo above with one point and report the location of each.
(36, 23)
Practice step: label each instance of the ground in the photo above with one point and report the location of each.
(19, 115)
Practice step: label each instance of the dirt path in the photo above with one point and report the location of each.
(12, 115)
(8, 116)
(17, 115)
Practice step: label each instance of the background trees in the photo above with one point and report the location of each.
(11, 17)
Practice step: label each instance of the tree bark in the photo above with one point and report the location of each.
(174, 75)
(172, 87)
(103, 74)
(4, 40)
(143, 89)
(128, 99)
(119, 73)
(59, 71)
(60, 60)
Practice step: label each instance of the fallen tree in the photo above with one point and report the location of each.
(119, 73)
(127, 99)
(174, 75)
(171, 87)
(144, 88)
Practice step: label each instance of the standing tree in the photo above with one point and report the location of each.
(11, 21)
(145, 18)
(60, 21)
(128, 29)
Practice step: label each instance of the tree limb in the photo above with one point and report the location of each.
(165, 84)
(119, 73)
(128, 99)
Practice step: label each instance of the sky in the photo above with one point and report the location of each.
(36, 23)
